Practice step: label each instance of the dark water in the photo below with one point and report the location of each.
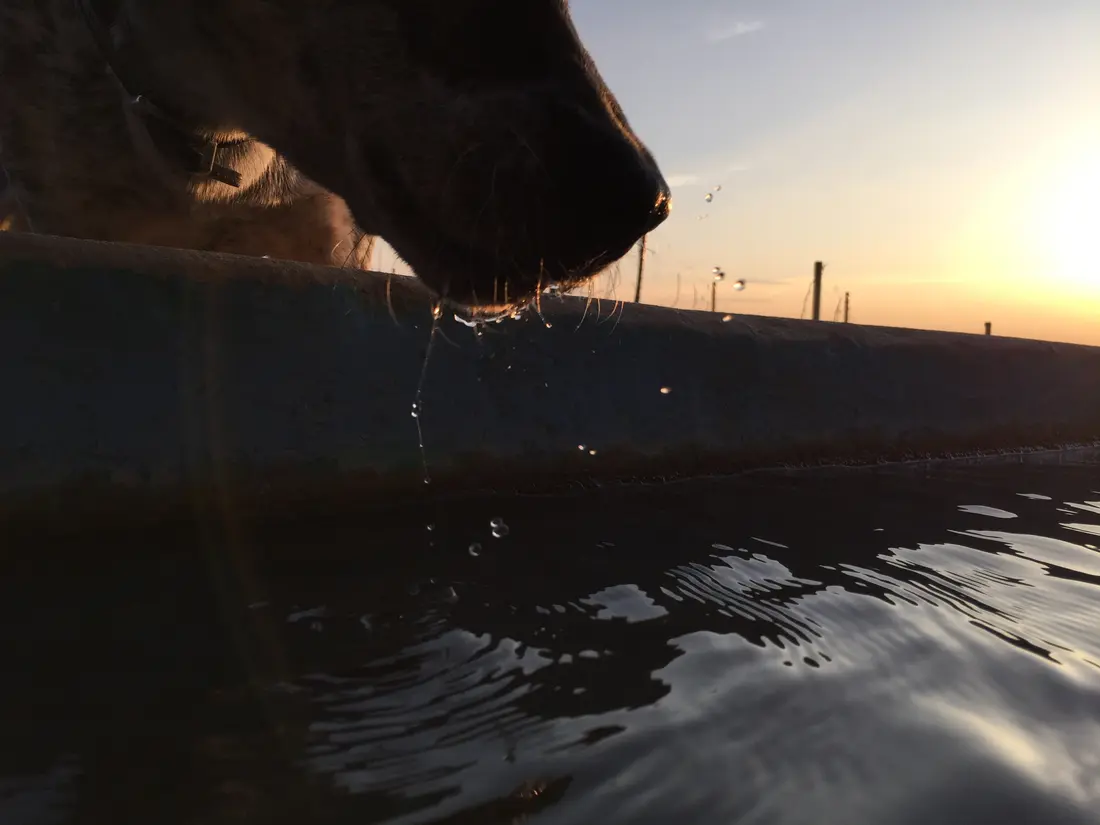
(898, 645)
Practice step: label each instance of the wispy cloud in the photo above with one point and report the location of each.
(732, 30)
(768, 281)
(681, 180)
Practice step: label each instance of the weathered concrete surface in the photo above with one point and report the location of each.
(135, 380)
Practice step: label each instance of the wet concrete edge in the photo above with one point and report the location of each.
(139, 381)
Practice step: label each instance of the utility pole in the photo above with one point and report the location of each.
(846, 294)
(641, 266)
(818, 268)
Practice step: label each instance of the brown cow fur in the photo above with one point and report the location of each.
(76, 165)
(491, 157)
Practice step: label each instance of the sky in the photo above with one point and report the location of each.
(941, 157)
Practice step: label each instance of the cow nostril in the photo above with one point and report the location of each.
(659, 213)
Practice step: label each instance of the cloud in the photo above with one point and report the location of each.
(767, 282)
(733, 30)
(681, 180)
(677, 181)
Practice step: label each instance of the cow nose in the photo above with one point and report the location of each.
(606, 191)
(661, 209)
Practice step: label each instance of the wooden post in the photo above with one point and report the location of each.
(641, 266)
(988, 327)
(818, 267)
(846, 294)
(713, 295)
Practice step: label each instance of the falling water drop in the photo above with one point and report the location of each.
(666, 390)
(739, 284)
(709, 197)
(499, 528)
(475, 549)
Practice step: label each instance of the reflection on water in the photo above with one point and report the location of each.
(891, 645)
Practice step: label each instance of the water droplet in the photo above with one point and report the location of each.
(427, 480)
(718, 188)
(727, 318)
(591, 452)
(365, 621)
(581, 447)
(666, 390)
(739, 284)
(430, 527)
(475, 549)
(500, 529)
(719, 275)
(709, 197)
(437, 310)
(549, 325)
(415, 410)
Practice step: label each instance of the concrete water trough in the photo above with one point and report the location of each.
(136, 379)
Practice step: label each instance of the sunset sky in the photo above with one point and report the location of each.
(941, 157)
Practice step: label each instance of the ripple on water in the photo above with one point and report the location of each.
(843, 646)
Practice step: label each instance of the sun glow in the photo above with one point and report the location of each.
(1069, 225)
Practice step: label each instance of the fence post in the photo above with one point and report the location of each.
(818, 267)
(641, 266)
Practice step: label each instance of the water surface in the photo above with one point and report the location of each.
(902, 644)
